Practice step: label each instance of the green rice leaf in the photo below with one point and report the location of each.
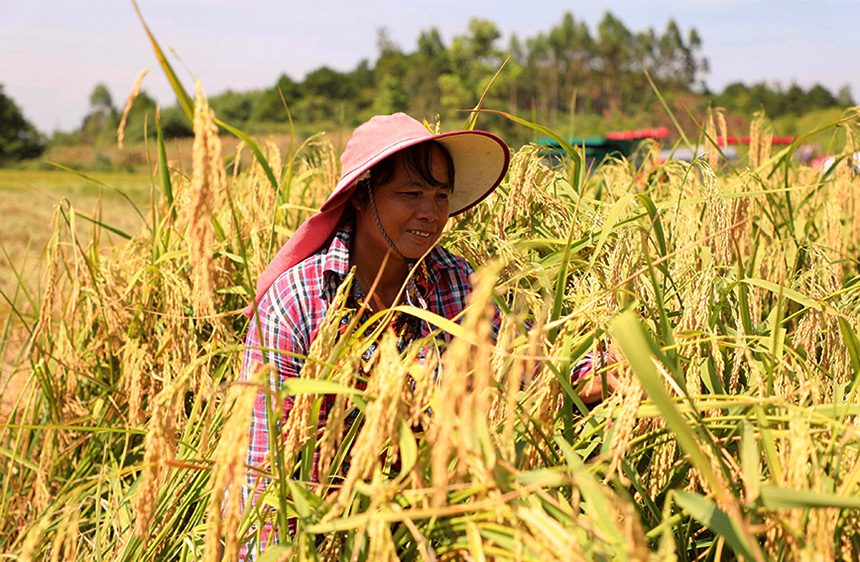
(476, 547)
(408, 447)
(96, 181)
(163, 169)
(561, 282)
(852, 344)
(633, 342)
(449, 326)
(255, 148)
(185, 101)
(473, 117)
(577, 173)
(100, 224)
(274, 553)
(750, 461)
(791, 294)
(708, 514)
(774, 497)
(618, 209)
(769, 444)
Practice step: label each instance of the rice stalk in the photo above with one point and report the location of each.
(159, 446)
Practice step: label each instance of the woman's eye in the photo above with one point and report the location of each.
(443, 196)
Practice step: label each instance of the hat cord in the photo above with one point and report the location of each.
(379, 223)
(412, 288)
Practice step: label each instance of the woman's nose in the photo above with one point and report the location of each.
(428, 207)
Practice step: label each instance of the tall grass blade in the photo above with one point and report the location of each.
(163, 169)
(255, 148)
(577, 171)
(472, 119)
(96, 181)
(627, 331)
(774, 497)
(708, 514)
(185, 101)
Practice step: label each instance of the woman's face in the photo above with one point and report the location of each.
(412, 212)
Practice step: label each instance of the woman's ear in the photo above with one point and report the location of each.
(359, 196)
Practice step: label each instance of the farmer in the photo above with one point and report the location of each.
(399, 185)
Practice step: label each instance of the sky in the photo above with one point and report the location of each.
(53, 53)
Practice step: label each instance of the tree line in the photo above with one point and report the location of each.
(568, 71)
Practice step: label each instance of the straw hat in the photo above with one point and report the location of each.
(480, 163)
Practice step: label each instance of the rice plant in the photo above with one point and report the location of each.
(732, 296)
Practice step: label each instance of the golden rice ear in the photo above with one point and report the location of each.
(135, 91)
(228, 477)
(159, 446)
(382, 418)
(627, 398)
(207, 180)
(333, 433)
(761, 138)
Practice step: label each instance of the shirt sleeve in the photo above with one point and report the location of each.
(272, 332)
(585, 367)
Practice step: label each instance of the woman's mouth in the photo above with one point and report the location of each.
(420, 233)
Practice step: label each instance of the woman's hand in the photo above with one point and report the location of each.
(593, 390)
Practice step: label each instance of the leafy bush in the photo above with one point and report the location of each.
(19, 139)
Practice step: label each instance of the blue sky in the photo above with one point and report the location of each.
(52, 53)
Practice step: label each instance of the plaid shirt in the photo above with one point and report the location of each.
(290, 315)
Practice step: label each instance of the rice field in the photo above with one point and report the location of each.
(29, 199)
(732, 297)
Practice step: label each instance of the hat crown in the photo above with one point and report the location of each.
(376, 137)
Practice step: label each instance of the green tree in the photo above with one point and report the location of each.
(474, 58)
(392, 98)
(100, 123)
(570, 48)
(796, 100)
(235, 107)
(18, 138)
(677, 62)
(365, 90)
(820, 98)
(844, 97)
(511, 77)
(327, 83)
(101, 100)
(392, 61)
(174, 123)
(270, 105)
(429, 62)
(614, 56)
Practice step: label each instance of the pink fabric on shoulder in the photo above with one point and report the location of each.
(309, 238)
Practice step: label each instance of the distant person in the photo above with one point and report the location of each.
(398, 186)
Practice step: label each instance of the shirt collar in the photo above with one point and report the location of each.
(337, 255)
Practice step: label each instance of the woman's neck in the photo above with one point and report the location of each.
(380, 276)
